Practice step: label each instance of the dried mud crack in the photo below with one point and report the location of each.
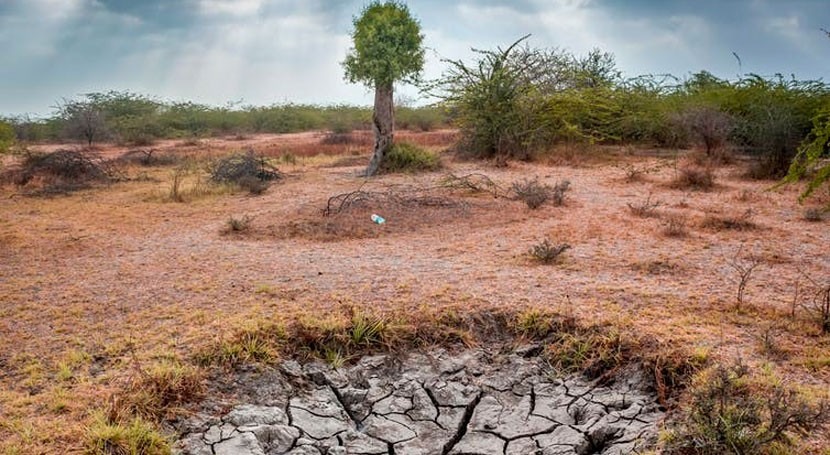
(468, 403)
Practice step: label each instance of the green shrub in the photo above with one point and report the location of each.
(7, 136)
(727, 415)
(811, 157)
(493, 103)
(405, 157)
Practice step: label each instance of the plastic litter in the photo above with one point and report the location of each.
(377, 219)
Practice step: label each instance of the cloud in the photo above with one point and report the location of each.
(278, 50)
(232, 7)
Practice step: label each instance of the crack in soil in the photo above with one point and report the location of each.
(409, 417)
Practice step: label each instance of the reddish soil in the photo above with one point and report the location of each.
(115, 271)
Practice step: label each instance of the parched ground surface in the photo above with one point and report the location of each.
(474, 402)
(92, 282)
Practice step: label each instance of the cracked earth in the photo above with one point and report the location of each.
(437, 403)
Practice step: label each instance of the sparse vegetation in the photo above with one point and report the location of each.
(645, 209)
(692, 177)
(236, 225)
(743, 266)
(546, 252)
(7, 137)
(133, 437)
(241, 166)
(707, 125)
(61, 171)
(536, 194)
(730, 415)
(154, 392)
(735, 222)
(813, 215)
(108, 293)
(674, 225)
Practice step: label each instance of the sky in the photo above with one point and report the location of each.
(262, 52)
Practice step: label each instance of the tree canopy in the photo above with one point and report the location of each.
(388, 46)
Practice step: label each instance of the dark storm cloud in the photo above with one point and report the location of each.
(265, 51)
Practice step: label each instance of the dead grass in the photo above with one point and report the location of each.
(694, 177)
(742, 221)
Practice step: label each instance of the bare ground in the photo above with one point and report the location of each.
(115, 273)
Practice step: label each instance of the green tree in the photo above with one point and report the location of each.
(388, 47)
(812, 151)
(83, 119)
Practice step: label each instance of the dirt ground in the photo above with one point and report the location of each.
(93, 280)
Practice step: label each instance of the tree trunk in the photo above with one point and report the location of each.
(383, 124)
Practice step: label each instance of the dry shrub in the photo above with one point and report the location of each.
(546, 252)
(149, 157)
(347, 215)
(691, 177)
(237, 225)
(245, 170)
(709, 126)
(61, 171)
(473, 183)
(645, 209)
(674, 225)
(657, 267)
(536, 194)
(813, 215)
(636, 173)
(733, 222)
(340, 138)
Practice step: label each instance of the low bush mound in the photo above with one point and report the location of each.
(406, 157)
(61, 171)
(245, 170)
(536, 194)
(691, 177)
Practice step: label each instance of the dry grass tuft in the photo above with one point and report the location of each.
(735, 222)
(137, 436)
(157, 391)
(691, 177)
(675, 225)
(645, 209)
